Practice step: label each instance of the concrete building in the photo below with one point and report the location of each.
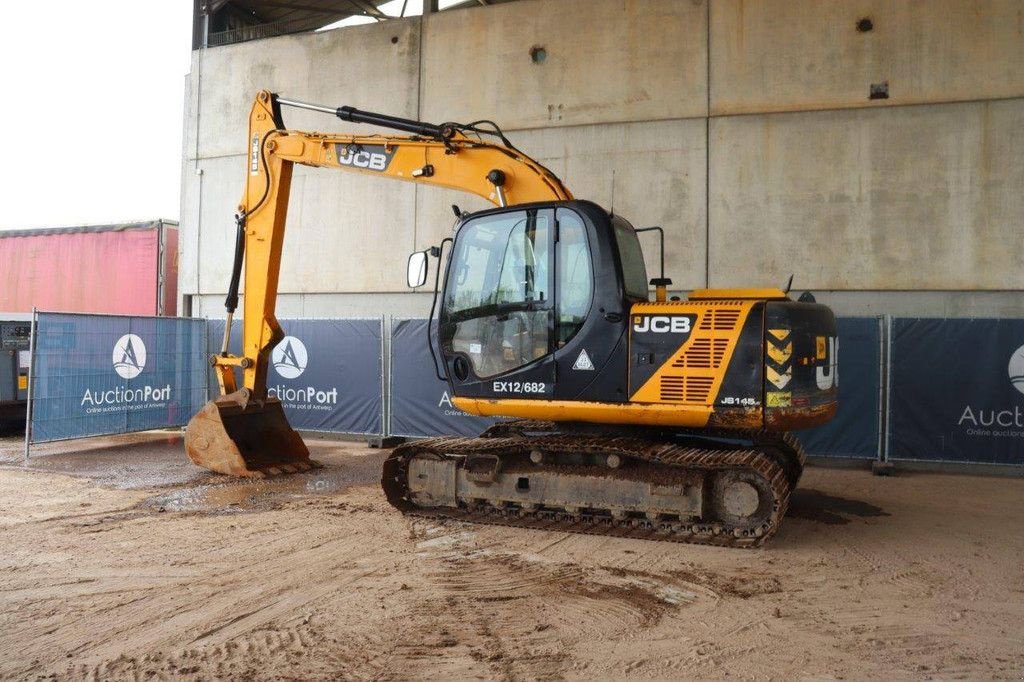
(872, 148)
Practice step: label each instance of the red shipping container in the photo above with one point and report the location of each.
(126, 269)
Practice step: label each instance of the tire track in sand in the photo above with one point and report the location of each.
(521, 617)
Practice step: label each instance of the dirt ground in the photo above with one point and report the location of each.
(119, 559)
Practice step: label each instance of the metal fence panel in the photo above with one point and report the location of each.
(854, 432)
(99, 374)
(957, 391)
(327, 373)
(421, 403)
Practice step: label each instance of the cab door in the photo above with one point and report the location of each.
(497, 316)
(599, 274)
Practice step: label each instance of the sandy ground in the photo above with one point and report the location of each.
(118, 559)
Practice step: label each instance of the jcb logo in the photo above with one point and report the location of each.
(370, 157)
(377, 162)
(827, 375)
(663, 324)
(254, 155)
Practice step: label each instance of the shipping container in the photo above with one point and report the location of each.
(15, 332)
(124, 269)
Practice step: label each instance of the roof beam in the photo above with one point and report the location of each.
(211, 6)
(306, 8)
(368, 9)
(245, 8)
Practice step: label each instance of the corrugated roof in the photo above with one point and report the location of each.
(115, 227)
(233, 21)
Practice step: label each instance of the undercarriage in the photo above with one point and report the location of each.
(710, 487)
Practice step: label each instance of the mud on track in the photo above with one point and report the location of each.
(120, 559)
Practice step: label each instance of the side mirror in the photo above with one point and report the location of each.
(416, 270)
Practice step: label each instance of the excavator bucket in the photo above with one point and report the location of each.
(231, 437)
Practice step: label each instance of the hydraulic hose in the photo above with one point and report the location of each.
(231, 302)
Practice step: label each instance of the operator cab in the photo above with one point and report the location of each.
(536, 300)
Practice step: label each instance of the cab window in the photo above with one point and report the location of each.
(498, 303)
(574, 274)
(634, 271)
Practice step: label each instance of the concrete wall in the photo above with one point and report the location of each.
(605, 62)
(798, 55)
(922, 197)
(906, 205)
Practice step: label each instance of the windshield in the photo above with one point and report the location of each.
(499, 260)
(497, 300)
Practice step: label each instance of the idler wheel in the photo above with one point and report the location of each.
(741, 498)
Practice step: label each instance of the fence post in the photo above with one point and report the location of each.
(887, 376)
(207, 356)
(31, 381)
(384, 399)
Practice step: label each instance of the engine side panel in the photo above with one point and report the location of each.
(699, 356)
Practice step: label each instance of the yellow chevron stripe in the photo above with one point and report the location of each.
(781, 355)
(780, 334)
(779, 379)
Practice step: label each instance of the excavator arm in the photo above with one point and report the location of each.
(244, 432)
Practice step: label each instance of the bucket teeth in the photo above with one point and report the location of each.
(292, 468)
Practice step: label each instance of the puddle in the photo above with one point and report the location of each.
(128, 462)
(252, 495)
(815, 505)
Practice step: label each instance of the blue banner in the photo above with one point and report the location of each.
(98, 374)
(854, 431)
(421, 404)
(957, 391)
(327, 373)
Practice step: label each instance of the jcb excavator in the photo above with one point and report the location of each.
(665, 419)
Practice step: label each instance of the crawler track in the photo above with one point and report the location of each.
(770, 462)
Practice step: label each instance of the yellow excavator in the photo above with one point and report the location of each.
(663, 419)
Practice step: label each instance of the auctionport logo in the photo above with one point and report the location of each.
(129, 359)
(290, 358)
(1016, 369)
(996, 422)
(129, 356)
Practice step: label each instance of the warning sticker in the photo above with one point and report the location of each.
(583, 361)
(779, 398)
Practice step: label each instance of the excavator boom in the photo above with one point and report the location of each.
(244, 432)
